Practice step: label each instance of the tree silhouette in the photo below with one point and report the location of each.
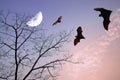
(25, 52)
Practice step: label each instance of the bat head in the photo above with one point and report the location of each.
(60, 17)
(79, 29)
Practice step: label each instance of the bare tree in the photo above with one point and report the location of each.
(27, 53)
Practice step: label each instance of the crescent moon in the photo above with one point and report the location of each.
(36, 20)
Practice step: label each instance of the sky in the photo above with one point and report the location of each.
(99, 53)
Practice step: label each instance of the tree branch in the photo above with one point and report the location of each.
(8, 45)
(7, 34)
(52, 47)
(25, 40)
(5, 78)
(21, 59)
(8, 24)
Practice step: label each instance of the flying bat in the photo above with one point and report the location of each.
(79, 36)
(106, 15)
(57, 21)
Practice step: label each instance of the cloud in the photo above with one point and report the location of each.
(94, 55)
(99, 46)
(98, 56)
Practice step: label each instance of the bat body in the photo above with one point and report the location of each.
(106, 15)
(57, 21)
(79, 36)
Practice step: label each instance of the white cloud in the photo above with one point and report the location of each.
(94, 55)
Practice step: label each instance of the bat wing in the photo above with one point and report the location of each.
(79, 36)
(76, 40)
(106, 23)
(57, 21)
(106, 16)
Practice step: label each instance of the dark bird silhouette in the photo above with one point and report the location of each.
(106, 15)
(79, 36)
(57, 21)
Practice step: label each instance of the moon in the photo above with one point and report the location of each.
(36, 20)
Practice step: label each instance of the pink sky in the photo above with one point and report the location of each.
(101, 57)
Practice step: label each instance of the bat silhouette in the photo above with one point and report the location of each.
(79, 36)
(57, 21)
(106, 15)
